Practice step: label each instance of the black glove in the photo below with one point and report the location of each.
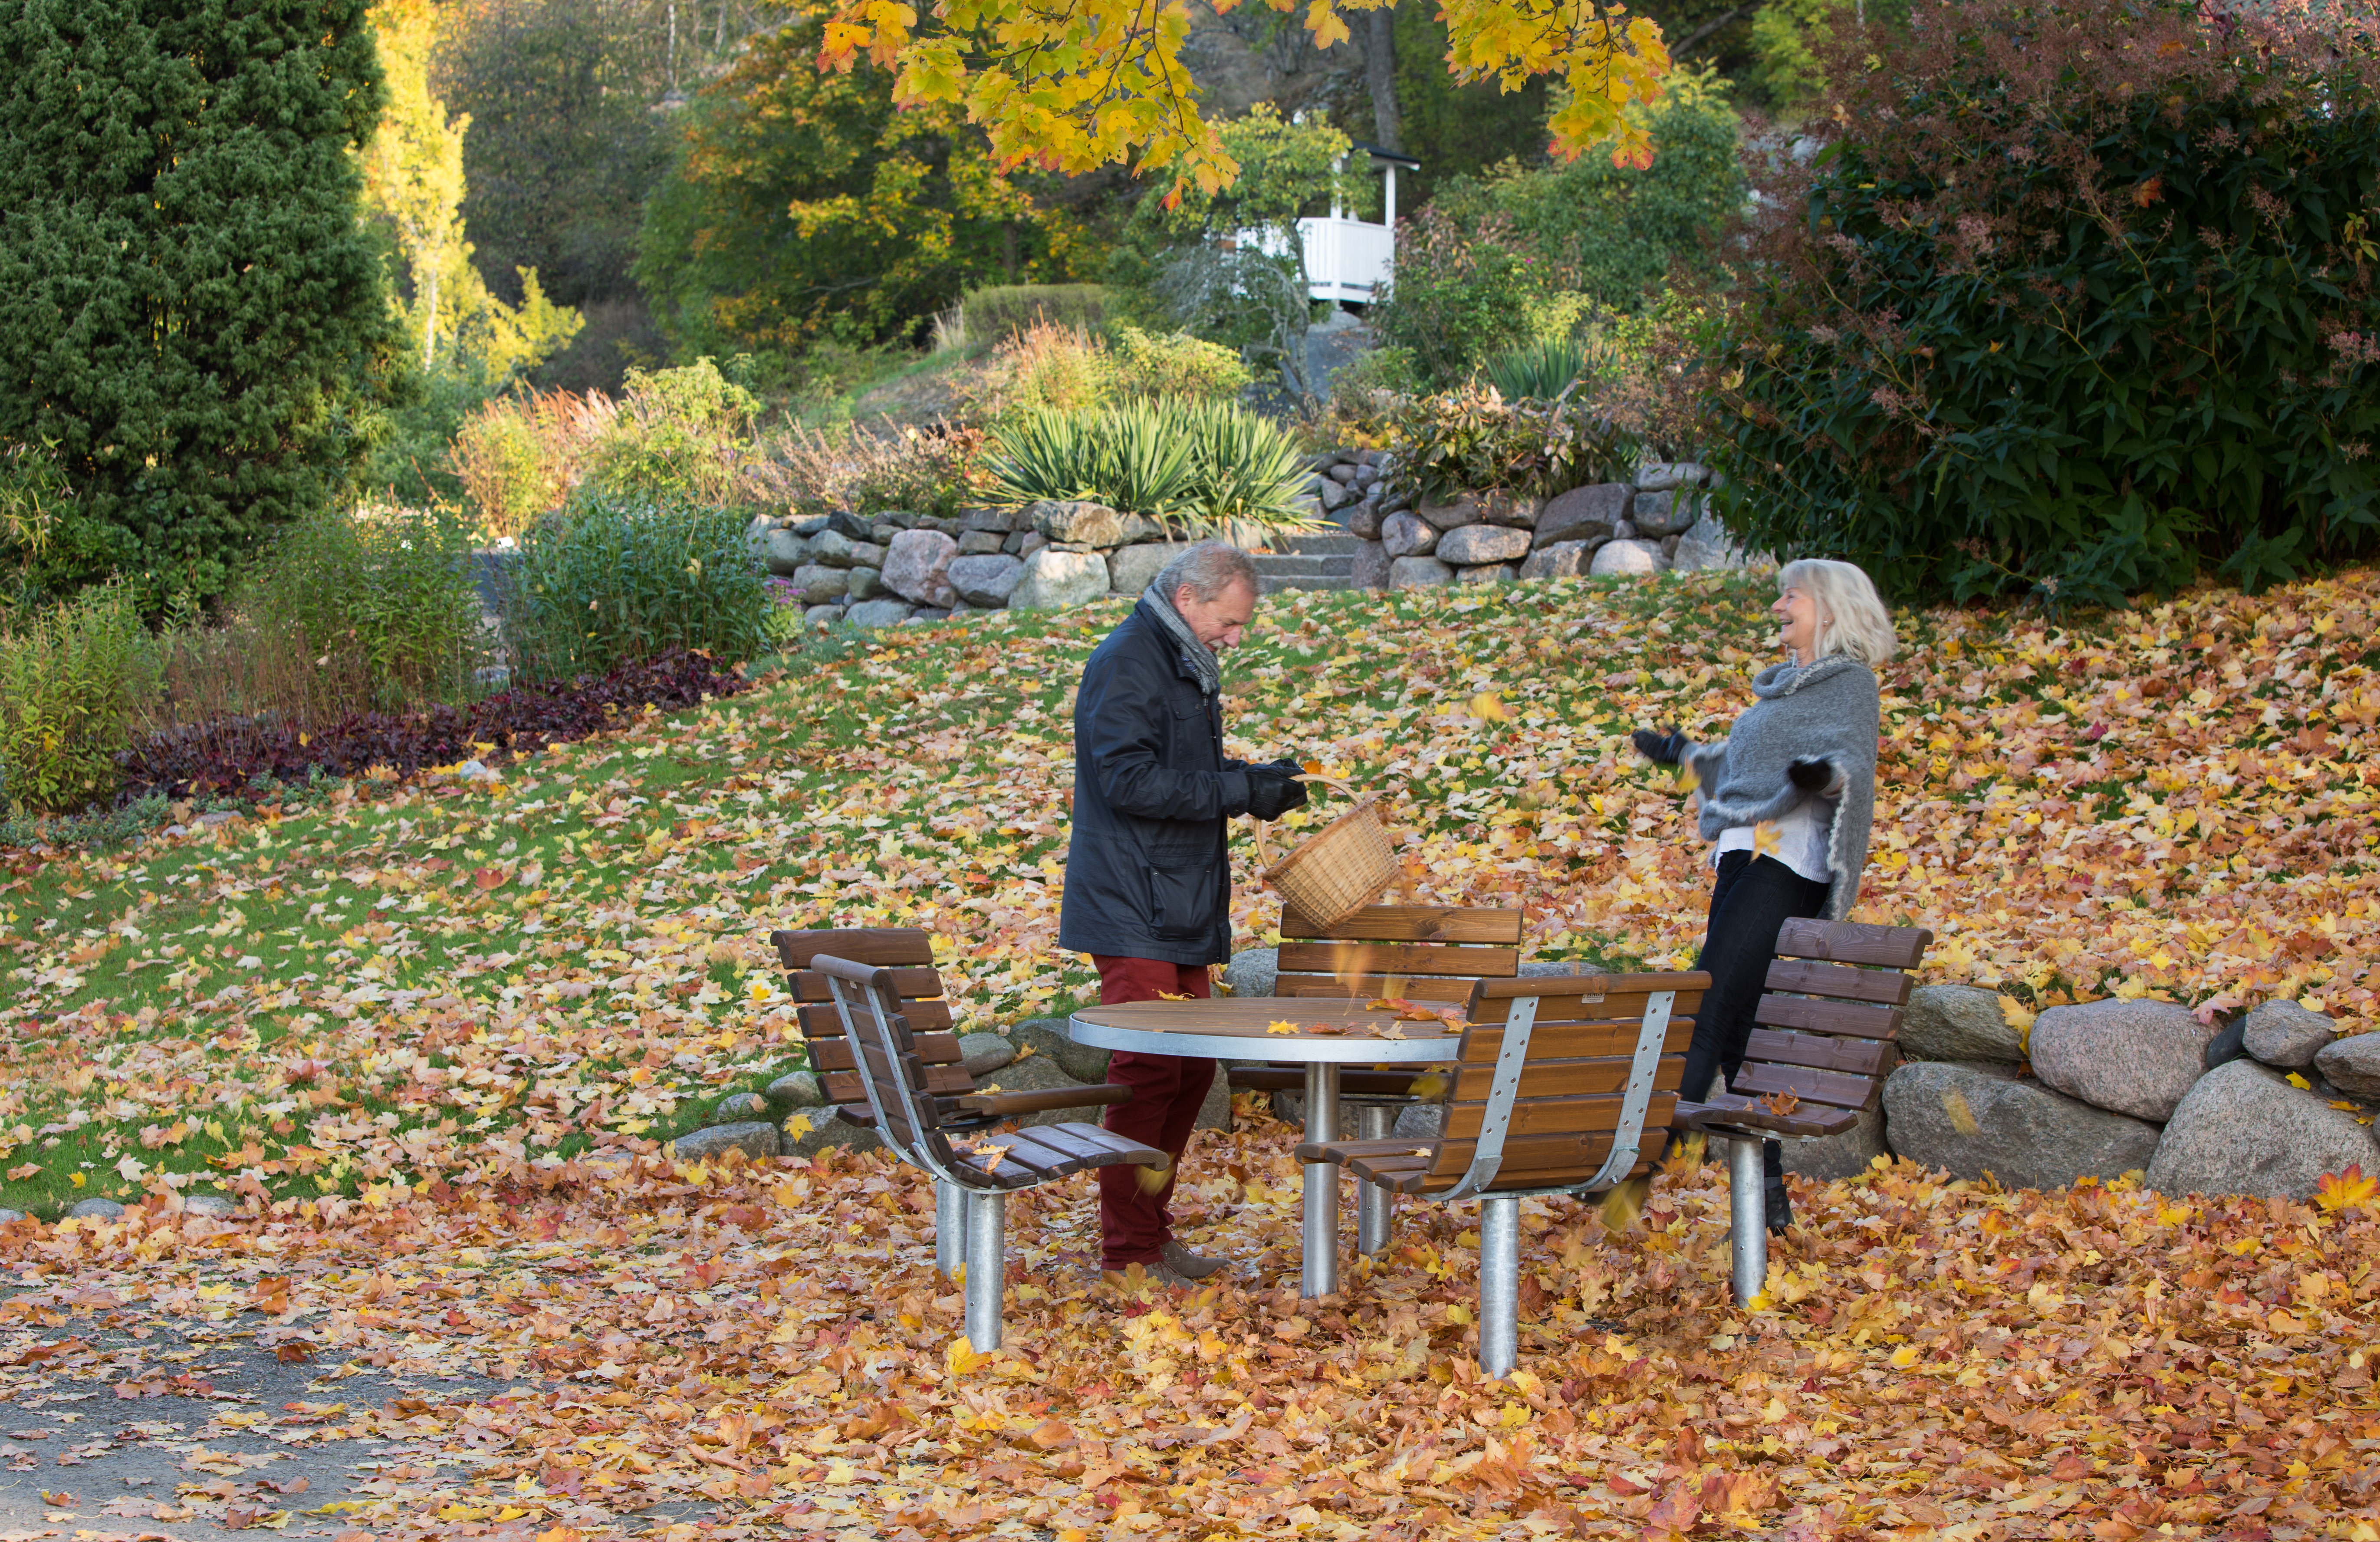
(1810, 776)
(1661, 749)
(1273, 792)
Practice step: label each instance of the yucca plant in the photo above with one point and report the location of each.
(1538, 370)
(1196, 465)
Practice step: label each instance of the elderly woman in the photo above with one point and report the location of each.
(1785, 799)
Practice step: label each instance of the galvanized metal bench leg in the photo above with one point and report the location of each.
(1747, 1215)
(1375, 1203)
(950, 1227)
(987, 1227)
(1321, 1249)
(1500, 1283)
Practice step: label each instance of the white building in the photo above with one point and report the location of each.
(1347, 259)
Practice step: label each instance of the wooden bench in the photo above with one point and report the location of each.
(1561, 1085)
(916, 1125)
(908, 955)
(1827, 1035)
(1420, 952)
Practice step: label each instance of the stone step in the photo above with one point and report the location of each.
(1334, 566)
(1267, 584)
(1335, 542)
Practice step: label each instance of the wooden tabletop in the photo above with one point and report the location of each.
(1242, 1027)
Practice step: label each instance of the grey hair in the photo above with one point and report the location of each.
(1209, 569)
(1851, 620)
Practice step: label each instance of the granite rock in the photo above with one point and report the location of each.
(1661, 476)
(821, 585)
(981, 543)
(1419, 572)
(795, 1089)
(1086, 524)
(1562, 560)
(213, 1206)
(1443, 516)
(1636, 557)
(870, 614)
(984, 1053)
(1056, 580)
(96, 1208)
(997, 521)
(1970, 1118)
(1047, 1038)
(1584, 513)
(1371, 566)
(2136, 1057)
(739, 1108)
(1705, 545)
(2352, 1064)
(1137, 528)
(1658, 514)
(1407, 535)
(819, 616)
(1253, 970)
(1957, 1022)
(2242, 1130)
(785, 553)
(2229, 1043)
(1130, 569)
(755, 1139)
(985, 580)
(1472, 545)
(835, 549)
(917, 567)
(1844, 1155)
(2285, 1034)
(865, 583)
(1365, 520)
(1492, 573)
(807, 1131)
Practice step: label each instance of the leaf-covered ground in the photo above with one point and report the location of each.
(773, 1346)
(430, 1034)
(424, 983)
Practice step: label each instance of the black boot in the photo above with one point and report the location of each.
(1780, 1205)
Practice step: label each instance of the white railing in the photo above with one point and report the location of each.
(1345, 258)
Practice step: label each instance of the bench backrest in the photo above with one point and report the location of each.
(909, 954)
(886, 1067)
(1576, 1087)
(1420, 952)
(1828, 1025)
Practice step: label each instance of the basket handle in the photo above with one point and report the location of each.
(1264, 847)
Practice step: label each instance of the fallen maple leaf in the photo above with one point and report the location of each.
(1280, 1025)
(2337, 1191)
(1781, 1103)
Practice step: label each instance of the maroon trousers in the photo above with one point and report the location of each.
(1167, 1090)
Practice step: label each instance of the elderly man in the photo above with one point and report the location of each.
(1148, 879)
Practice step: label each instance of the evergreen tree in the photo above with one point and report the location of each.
(190, 311)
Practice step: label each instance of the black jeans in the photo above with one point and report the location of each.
(1752, 898)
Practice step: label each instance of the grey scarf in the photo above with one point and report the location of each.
(1200, 657)
(1825, 711)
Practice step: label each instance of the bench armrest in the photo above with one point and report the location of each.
(1730, 1111)
(1003, 1105)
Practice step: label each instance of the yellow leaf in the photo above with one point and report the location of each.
(2014, 1013)
(960, 1358)
(2298, 1081)
(1904, 1357)
(1280, 1025)
(1487, 706)
(2337, 1191)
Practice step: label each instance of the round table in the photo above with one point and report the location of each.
(1330, 1034)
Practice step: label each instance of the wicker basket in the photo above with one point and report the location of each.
(1338, 870)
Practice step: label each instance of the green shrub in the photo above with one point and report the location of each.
(1542, 370)
(1176, 364)
(1004, 309)
(1200, 464)
(1473, 441)
(2079, 301)
(931, 471)
(1463, 291)
(611, 579)
(681, 435)
(71, 676)
(518, 456)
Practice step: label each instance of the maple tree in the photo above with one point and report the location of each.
(1085, 83)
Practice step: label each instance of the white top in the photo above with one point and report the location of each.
(1799, 839)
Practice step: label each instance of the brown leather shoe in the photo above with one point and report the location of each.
(1192, 1266)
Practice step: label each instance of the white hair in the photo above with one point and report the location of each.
(1208, 570)
(1851, 620)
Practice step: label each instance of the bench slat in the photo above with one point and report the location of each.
(1572, 1041)
(1415, 923)
(933, 1049)
(1392, 958)
(1592, 1117)
(1561, 1002)
(1416, 987)
(1854, 942)
(809, 984)
(1838, 982)
(1610, 986)
(1855, 1057)
(886, 947)
(1809, 1015)
(1564, 1078)
(843, 1086)
(1811, 1086)
(822, 1021)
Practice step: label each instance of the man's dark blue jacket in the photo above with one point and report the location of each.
(1145, 871)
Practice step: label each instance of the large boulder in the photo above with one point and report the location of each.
(785, 552)
(1136, 528)
(1844, 1155)
(870, 614)
(1252, 970)
(981, 543)
(795, 1089)
(832, 548)
(1371, 566)
(1407, 535)
(984, 1053)
(1473, 545)
(1664, 513)
(1491, 572)
(1661, 476)
(1562, 560)
(917, 566)
(1957, 1022)
(2353, 1065)
(1419, 572)
(1041, 1073)
(1970, 1118)
(821, 585)
(1442, 517)
(1634, 557)
(1706, 544)
(2244, 1129)
(1047, 1038)
(864, 584)
(1363, 520)
(985, 580)
(2136, 1057)
(807, 1131)
(999, 521)
(1080, 524)
(2285, 1034)
(1130, 569)
(1584, 513)
(755, 1138)
(1055, 580)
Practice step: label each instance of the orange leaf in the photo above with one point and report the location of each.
(2337, 1191)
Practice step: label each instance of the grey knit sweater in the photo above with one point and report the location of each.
(1824, 711)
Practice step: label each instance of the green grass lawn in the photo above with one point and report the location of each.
(435, 982)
